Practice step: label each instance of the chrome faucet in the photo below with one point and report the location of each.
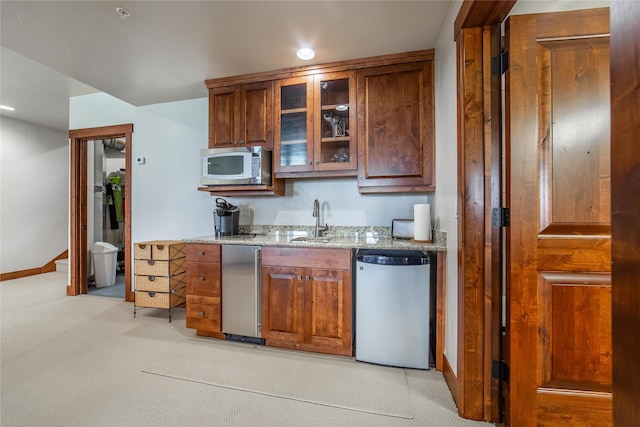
(316, 214)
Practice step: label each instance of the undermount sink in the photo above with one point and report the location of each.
(310, 239)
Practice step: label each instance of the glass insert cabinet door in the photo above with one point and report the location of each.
(314, 119)
(294, 127)
(335, 139)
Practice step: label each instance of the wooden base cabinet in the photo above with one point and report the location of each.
(204, 311)
(306, 299)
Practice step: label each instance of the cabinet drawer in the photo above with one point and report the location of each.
(203, 253)
(335, 259)
(203, 313)
(203, 278)
(150, 267)
(160, 283)
(159, 250)
(160, 299)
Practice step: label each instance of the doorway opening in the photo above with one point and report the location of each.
(106, 169)
(90, 220)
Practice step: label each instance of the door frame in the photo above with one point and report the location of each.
(78, 251)
(478, 43)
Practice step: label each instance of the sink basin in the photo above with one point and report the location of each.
(310, 239)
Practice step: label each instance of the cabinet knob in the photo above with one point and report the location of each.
(202, 314)
(307, 278)
(201, 253)
(317, 162)
(299, 277)
(202, 279)
(309, 163)
(242, 141)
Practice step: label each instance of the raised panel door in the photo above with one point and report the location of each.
(282, 305)
(328, 312)
(559, 243)
(224, 116)
(396, 141)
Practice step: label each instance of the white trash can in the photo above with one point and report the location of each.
(105, 259)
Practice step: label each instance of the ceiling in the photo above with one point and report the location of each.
(52, 50)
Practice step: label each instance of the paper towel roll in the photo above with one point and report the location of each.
(422, 222)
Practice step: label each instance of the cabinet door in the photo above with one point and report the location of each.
(335, 122)
(282, 305)
(256, 123)
(294, 126)
(328, 310)
(241, 115)
(396, 128)
(224, 116)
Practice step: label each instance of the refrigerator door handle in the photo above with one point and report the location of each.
(257, 277)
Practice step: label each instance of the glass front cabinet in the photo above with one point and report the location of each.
(315, 125)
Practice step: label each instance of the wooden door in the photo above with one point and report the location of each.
(257, 114)
(328, 310)
(396, 128)
(559, 245)
(224, 114)
(282, 305)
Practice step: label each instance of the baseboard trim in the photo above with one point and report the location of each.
(453, 383)
(47, 268)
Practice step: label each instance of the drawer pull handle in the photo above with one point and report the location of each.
(161, 247)
(201, 253)
(202, 279)
(202, 314)
(150, 262)
(152, 294)
(152, 278)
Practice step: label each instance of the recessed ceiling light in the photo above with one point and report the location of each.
(124, 13)
(6, 107)
(305, 53)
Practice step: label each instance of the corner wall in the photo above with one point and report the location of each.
(34, 194)
(446, 208)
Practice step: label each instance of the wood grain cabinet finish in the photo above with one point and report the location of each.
(396, 140)
(204, 311)
(306, 299)
(315, 125)
(241, 115)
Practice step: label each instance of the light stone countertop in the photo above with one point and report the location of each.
(336, 237)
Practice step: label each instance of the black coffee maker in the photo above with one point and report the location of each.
(226, 218)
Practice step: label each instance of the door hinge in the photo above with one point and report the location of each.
(501, 217)
(500, 63)
(500, 370)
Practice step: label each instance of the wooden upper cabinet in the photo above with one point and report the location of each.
(315, 125)
(396, 140)
(241, 115)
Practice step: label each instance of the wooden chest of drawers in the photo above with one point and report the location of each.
(160, 274)
(204, 311)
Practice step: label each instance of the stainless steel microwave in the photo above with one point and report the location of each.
(235, 166)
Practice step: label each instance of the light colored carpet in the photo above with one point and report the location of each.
(77, 361)
(325, 380)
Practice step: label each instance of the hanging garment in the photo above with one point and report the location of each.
(117, 197)
(113, 221)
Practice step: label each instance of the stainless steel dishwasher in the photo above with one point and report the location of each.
(392, 307)
(241, 293)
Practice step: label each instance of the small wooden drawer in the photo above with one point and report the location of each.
(160, 299)
(203, 279)
(203, 253)
(150, 267)
(203, 313)
(159, 250)
(161, 283)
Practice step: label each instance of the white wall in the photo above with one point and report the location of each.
(165, 202)
(446, 208)
(34, 194)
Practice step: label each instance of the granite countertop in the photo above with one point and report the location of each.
(336, 237)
